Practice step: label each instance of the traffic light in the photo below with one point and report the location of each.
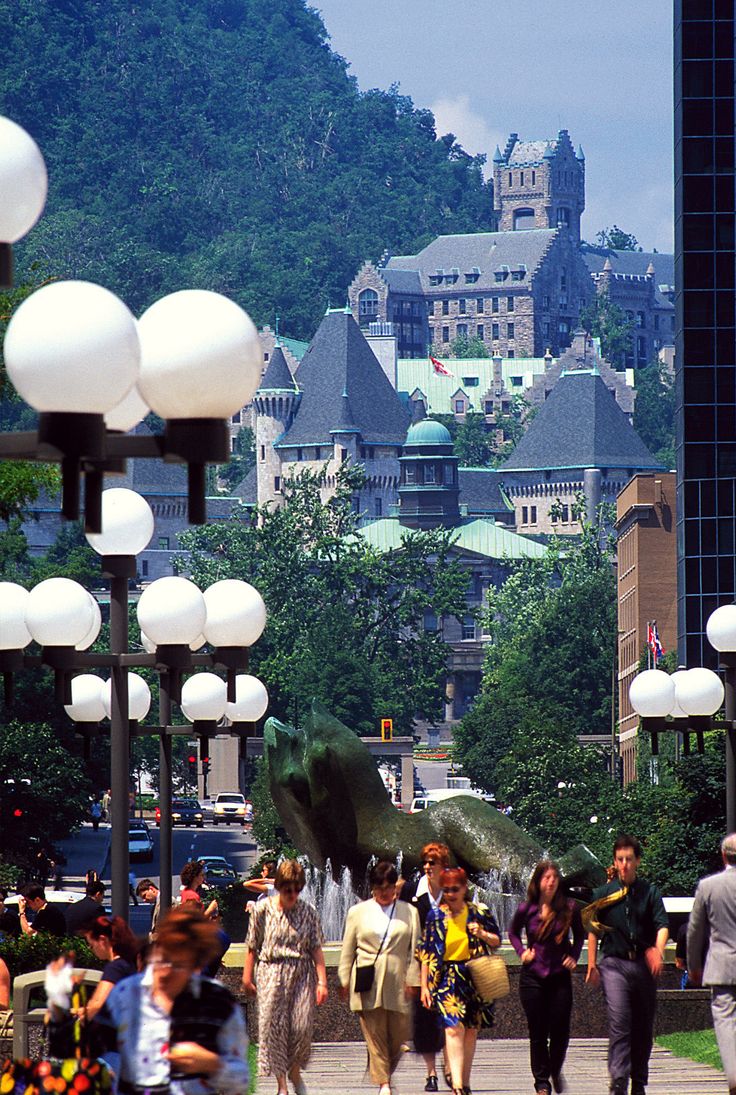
(192, 764)
(205, 766)
(17, 812)
(387, 729)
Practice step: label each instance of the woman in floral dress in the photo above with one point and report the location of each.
(455, 932)
(285, 938)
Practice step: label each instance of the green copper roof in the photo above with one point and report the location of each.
(295, 345)
(517, 374)
(428, 432)
(481, 537)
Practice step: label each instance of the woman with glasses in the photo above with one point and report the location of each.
(285, 938)
(381, 934)
(554, 940)
(426, 894)
(178, 1033)
(455, 932)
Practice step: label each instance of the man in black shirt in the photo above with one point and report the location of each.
(89, 908)
(629, 917)
(46, 918)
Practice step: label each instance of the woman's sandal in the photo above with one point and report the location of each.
(448, 1080)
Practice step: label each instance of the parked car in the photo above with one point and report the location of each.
(217, 871)
(184, 811)
(229, 806)
(140, 844)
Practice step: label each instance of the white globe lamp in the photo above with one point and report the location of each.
(94, 630)
(251, 700)
(236, 613)
(721, 628)
(131, 410)
(203, 697)
(700, 692)
(87, 704)
(23, 182)
(139, 697)
(127, 523)
(677, 678)
(652, 693)
(59, 612)
(171, 611)
(14, 634)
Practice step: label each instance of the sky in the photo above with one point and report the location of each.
(487, 68)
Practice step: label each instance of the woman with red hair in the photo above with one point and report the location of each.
(455, 932)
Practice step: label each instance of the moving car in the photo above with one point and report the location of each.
(229, 806)
(184, 811)
(140, 845)
(217, 871)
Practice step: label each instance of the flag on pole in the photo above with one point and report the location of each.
(654, 643)
(439, 367)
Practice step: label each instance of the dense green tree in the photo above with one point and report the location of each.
(243, 458)
(473, 443)
(345, 622)
(605, 320)
(222, 144)
(463, 346)
(654, 411)
(617, 240)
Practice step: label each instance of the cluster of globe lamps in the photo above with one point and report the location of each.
(687, 700)
(77, 355)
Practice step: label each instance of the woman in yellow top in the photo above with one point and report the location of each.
(456, 931)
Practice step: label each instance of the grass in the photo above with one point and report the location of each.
(253, 1066)
(697, 1045)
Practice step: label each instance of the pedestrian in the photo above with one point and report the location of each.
(132, 883)
(629, 917)
(554, 940)
(175, 1030)
(426, 894)
(455, 932)
(192, 878)
(46, 918)
(106, 800)
(112, 941)
(285, 940)
(96, 813)
(378, 952)
(714, 914)
(148, 892)
(81, 913)
(91, 876)
(42, 866)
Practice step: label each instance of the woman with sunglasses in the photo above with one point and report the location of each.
(177, 1032)
(285, 938)
(426, 894)
(554, 940)
(381, 934)
(455, 932)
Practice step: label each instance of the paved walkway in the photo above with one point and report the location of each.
(502, 1067)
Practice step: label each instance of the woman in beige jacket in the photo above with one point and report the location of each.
(382, 934)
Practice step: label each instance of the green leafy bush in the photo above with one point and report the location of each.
(34, 952)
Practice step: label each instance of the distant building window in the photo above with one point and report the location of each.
(468, 628)
(263, 452)
(459, 406)
(343, 455)
(510, 354)
(462, 330)
(368, 304)
(545, 328)
(236, 417)
(429, 474)
(463, 306)
(471, 381)
(509, 304)
(449, 475)
(563, 217)
(509, 330)
(564, 327)
(525, 515)
(299, 454)
(545, 302)
(523, 220)
(521, 177)
(371, 452)
(362, 452)
(563, 280)
(163, 543)
(495, 331)
(317, 453)
(277, 484)
(430, 621)
(565, 513)
(445, 334)
(534, 178)
(144, 568)
(445, 307)
(480, 332)
(511, 178)
(641, 319)
(480, 305)
(533, 515)
(641, 349)
(494, 304)
(517, 381)
(410, 474)
(489, 406)
(431, 333)
(379, 507)
(656, 322)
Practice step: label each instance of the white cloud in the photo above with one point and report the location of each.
(457, 116)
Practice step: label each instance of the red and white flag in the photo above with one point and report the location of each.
(439, 367)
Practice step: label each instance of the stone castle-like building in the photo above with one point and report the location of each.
(520, 288)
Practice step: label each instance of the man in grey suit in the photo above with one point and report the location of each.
(714, 915)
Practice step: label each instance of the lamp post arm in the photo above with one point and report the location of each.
(119, 749)
(164, 794)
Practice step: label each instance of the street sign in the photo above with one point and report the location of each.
(387, 729)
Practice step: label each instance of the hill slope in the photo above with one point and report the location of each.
(221, 144)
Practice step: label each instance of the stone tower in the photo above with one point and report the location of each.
(539, 184)
(429, 491)
(276, 403)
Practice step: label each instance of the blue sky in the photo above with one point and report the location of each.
(486, 68)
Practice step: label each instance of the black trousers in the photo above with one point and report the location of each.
(547, 1002)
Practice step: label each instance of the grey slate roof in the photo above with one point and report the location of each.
(339, 362)
(580, 425)
(247, 489)
(485, 250)
(402, 281)
(277, 376)
(480, 491)
(147, 476)
(631, 262)
(530, 152)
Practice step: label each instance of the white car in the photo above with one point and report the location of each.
(140, 845)
(229, 806)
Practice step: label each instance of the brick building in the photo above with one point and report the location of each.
(646, 553)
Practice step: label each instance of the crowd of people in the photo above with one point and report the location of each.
(408, 969)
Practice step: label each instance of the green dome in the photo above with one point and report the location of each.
(428, 432)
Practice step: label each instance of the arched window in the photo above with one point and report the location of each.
(368, 304)
(563, 216)
(523, 219)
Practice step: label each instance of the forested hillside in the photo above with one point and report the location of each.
(221, 144)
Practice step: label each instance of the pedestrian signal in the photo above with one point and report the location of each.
(387, 729)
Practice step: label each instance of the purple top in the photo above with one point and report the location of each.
(548, 953)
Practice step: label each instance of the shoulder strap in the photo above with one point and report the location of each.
(385, 934)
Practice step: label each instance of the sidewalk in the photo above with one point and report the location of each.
(502, 1067)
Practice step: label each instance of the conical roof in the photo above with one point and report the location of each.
(342, 383)
(580, 425)
(277, 377)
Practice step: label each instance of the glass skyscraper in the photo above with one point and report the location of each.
(705, 277)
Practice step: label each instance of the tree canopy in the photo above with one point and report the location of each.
(605, 320)
(654, 412)
(222, 144)
(617, 239)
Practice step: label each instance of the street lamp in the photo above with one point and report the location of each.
(23, 186)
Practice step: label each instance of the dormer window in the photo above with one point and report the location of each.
(472, 275)
(501, 273)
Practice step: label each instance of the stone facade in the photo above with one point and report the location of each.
(584, 353)
(539, 184)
